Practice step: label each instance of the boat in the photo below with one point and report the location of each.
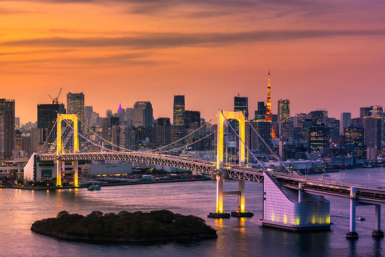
(360, 218)
(94, 187)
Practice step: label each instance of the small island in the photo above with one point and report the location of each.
(161, 225)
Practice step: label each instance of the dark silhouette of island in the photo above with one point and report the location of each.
(161, 225)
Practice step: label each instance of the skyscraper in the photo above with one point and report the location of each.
(88, 110)
(162, 132)
(365, 111)
(7, 127)
(143, 116)
(283, 110)
(75, 105)
(241, 104)
(346, 118)
(261, 112)
(355, 136)
(318, 138)
(46, 119)
(191, 117)
(372, 130)
(179, 107)
(319, 116)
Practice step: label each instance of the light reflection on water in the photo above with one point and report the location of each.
(237, 237)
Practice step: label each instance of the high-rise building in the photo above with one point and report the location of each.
(241, 104)
(263, 127)
(355, 136)
(357, 123)
(88, 110)
(162, 132)
(47, 117)
(38, 136)
(178, 132)
(261, 112)
(17, 122)
(319, 116)
(365, 111)
(179, 107)
(377, 111)
(191, 117)
(372, 129)
(283, 110)
(318, 138)
(346, 118)
(75, 105)
(299, 118)
(143, 116)
(109, 113)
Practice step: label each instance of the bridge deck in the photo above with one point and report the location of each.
(311, 185)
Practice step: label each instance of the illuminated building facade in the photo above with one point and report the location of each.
(261, 112)
(319, 116)
(75, 105)
(346, 118)
(365, 112)
(318, 138)
(372, 129)
(179, 107)
(162, 132)
(263, 127)
(46, 118)
(283, 110)
(355, 136)
(143, 116)
(191, 117)
(241, 104)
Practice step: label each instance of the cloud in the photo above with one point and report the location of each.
(172, 40)
(126, 59)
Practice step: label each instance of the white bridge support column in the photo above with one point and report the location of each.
(353, 204)
(58, 172)
(241, 185)
(219, 208)
(219, 212)
(241, 212)
(76, 173)
(377, 222)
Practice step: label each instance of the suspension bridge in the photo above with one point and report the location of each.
(290, 201)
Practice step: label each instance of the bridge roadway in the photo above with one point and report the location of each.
(310, 185)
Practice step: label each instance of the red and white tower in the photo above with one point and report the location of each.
(269, 115)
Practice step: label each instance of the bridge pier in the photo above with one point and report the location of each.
(219, 213)
(76, 173)
(58, 172)
(352, 234)
(241, 212)
(377, 232)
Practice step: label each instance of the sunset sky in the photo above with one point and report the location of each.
(323, 54)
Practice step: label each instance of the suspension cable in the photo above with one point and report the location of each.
(242, 141)
(185, 136)
(46, 141)
(90, 140)
(189, 144)
(150, 150)
(279, 160)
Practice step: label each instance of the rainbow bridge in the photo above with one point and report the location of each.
(290, 200)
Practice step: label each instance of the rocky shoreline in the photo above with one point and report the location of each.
(125, 227)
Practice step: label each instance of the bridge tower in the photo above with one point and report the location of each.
(220, 213)
(74, 119)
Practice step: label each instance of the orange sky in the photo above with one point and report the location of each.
(322, 55)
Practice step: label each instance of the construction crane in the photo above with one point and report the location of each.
(56, 99)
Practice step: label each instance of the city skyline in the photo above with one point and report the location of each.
(209, 51)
